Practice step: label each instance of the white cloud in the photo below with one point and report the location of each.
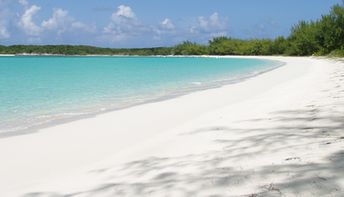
(58, 21)
(165, 28)
(212, 25)
(123, 25)
(61, 22)
(167, 24)
(26, 22)
(124, 11)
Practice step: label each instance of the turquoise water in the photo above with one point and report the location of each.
(39, 90)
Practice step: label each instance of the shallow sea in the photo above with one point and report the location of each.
(39, 90)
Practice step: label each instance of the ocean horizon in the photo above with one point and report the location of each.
(40, 90)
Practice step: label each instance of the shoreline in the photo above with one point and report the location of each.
(124, 55)
(239, 139)
(85, 115)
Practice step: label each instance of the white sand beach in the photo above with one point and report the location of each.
(278, 134)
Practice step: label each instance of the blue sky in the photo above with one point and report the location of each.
(149, 23)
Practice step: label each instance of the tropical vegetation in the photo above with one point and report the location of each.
(320, 37)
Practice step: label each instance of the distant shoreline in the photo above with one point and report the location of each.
(7, 55)
(56, 55)
(126, 55)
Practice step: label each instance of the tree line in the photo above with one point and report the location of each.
(320, 37)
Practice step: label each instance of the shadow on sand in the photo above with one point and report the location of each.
(222, 171)
(212, 173)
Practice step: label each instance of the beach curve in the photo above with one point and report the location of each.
(240, 139)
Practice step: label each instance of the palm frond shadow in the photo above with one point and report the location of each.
(214, 173)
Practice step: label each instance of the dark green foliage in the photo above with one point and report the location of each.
(279, 46)
(304, 39)
(80, 50)
(332, 30)
(190, 48)
(260, 47)
(222, 46)
(319, 37)
(337, 53)
(322, 37)
(231, 46)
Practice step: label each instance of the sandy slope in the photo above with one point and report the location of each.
(278, 134)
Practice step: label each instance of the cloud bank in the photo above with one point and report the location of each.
(210, 26)
(123, 26)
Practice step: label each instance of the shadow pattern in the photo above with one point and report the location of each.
(222, 172)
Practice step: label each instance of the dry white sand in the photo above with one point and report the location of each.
(278, 134)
